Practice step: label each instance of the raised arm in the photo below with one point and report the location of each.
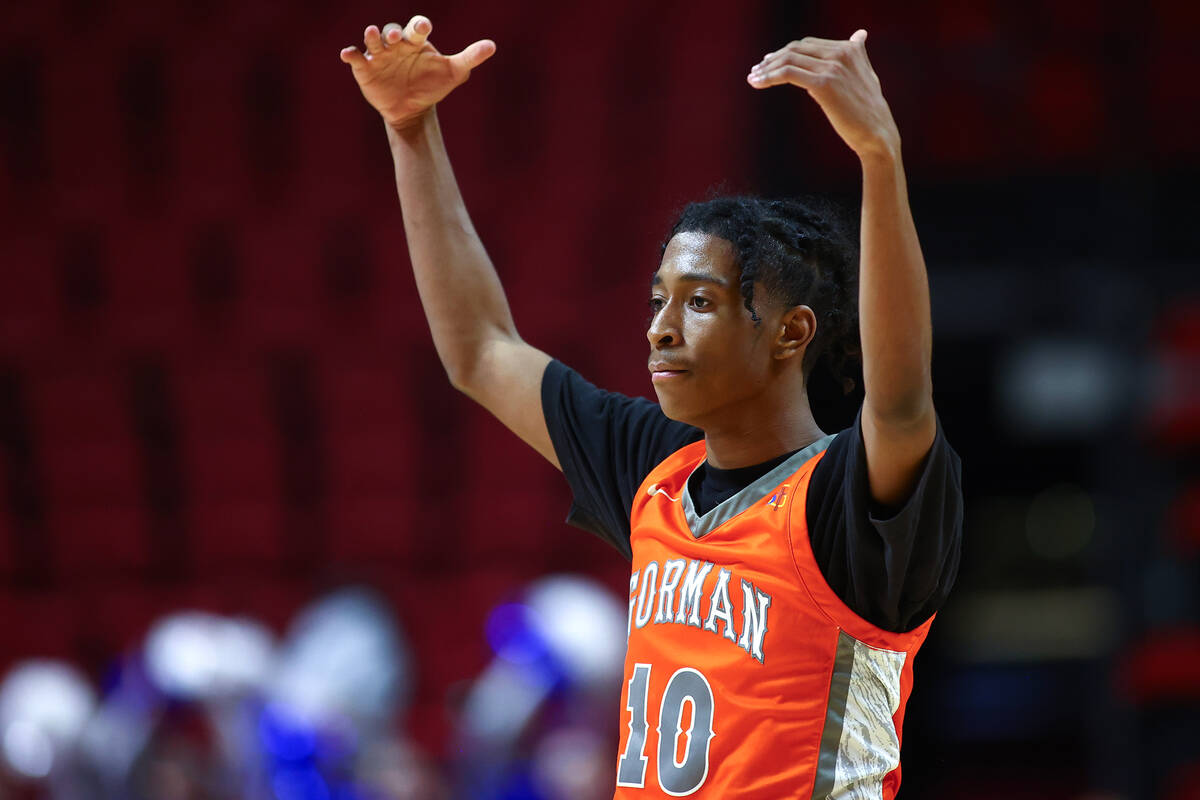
(403, 76)
(898, 421)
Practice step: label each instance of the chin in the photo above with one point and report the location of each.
(675, 410)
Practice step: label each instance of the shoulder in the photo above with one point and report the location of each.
(563, 386)
(845, 462)
(570, 400)
(830, 469)
(894, 566)
(606, 443)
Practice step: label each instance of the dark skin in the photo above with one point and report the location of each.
(714, 368)
(749, 399)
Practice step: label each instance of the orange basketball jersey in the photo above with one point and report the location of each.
(746, 676)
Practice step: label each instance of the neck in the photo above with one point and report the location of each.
(758, 434)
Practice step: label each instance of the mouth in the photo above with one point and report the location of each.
(665, 372)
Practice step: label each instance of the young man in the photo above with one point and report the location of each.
(783, 579)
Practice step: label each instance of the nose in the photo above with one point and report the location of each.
(664, 327)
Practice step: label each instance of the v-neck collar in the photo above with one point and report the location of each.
(718, 515)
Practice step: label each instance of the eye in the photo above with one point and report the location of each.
(656, 304)
(700, 302)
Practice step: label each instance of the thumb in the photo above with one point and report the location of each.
(859, 36)
(475, 54)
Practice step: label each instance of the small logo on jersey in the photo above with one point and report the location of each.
(653, 489)
(779, 498)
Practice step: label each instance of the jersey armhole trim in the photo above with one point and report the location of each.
(806, 481)
(834, 608)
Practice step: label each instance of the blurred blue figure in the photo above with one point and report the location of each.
(327, 727)
(214, 708)
(535, 725)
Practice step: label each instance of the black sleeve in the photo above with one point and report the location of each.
(893, 567)
(606, 443)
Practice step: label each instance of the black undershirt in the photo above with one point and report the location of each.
(894, 567)
(710, 486)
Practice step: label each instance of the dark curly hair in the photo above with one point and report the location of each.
(802, 251)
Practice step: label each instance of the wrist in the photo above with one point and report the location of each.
(412, 126)
(884, 151)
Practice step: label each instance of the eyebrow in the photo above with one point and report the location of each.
(693, 277)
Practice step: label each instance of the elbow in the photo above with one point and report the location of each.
(469, 363)
(466, 383)
(465, 386)
(900, 396)
(903, 411)
(459, 372)
(456, 380)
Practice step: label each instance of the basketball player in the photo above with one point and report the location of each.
(783, 578)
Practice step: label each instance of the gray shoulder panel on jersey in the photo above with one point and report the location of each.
(730, 508)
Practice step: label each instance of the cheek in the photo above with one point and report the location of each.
(753, 359)
(740, 357)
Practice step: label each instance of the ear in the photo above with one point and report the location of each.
(797, 327)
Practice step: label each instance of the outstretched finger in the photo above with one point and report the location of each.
(417, 30)
(785, 58)
(352, 57)
(373, 40)
(393, 33)
(810, 45)
(797, 76)
(474, 54)
(817, 45)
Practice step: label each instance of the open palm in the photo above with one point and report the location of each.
(401, 73)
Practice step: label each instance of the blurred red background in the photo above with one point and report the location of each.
(217, 389)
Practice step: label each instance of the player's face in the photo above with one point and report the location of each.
(707, 357)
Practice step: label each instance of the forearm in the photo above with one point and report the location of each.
(894, 315)
(462, 296)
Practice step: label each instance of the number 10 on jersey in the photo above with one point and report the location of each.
(677, 776)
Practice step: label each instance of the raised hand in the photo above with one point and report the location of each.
(838, 75)
(403, 75)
